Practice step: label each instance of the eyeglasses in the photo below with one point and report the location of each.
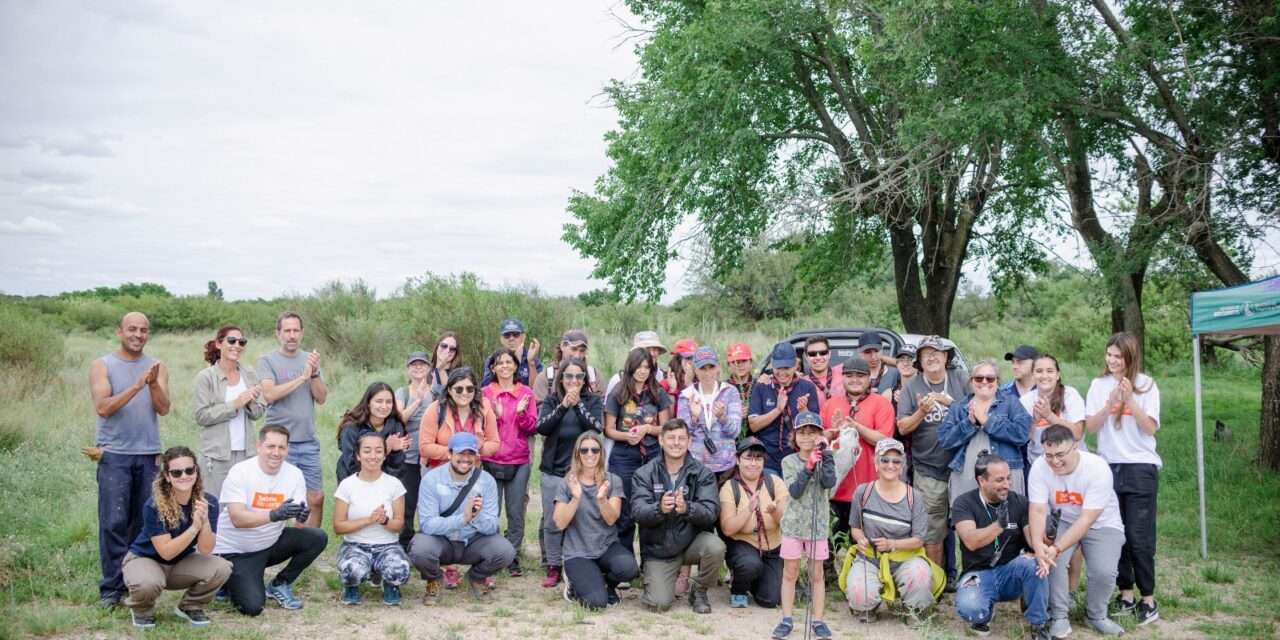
(890, 460)
(575, 376)
(984, 378)
(449, 347)
(1057, 456)
(818, 354)
(463, 389)
(178, 473)
(244, 342)
(589, 451)
(512, 334)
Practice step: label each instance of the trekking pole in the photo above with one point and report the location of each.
(813, 550)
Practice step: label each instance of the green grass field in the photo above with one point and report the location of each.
(48, 542)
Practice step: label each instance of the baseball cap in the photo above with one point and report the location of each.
(907, 349)
(937, 343)
(647, 340)
(807, 419)
(869, 340)
(738, 351)
(417, 356)
(856, 363)
(684, 347)
(573, 336)
(1023, 352)
(463, 441)
(511, 325)
(751, 442)
(704, 356)
(889, 444)
(783, 355)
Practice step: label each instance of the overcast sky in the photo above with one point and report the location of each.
(275, 146)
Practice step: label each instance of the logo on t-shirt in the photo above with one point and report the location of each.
(1068, 497)
(266, 501)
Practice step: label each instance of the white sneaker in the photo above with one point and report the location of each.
(1059, 628)
(1106, 627)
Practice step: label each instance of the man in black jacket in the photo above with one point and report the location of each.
(676, 503)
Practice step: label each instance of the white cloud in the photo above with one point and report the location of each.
(89, 205)
(81, 143)
(30, 226)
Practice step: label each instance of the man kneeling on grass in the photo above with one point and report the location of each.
(675, 502)
(259, 496)
(458, 518)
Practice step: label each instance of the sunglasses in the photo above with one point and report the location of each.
(178, 473)
(512, 334)
(984, 378)
(890, 460)
(594, 451)
(449, 347)
(244, 342)
(463, 389)
(575, 376)
(818, 354)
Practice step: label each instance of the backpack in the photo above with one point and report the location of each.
(866, 496)
(737, 490)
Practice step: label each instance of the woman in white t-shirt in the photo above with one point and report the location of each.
(228, 399)
(1050, 402)
(368, 513)
(1123, 407)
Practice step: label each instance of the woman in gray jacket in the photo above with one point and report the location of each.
(227, 398)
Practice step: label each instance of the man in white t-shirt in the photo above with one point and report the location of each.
(259, 496)
(1073, 488)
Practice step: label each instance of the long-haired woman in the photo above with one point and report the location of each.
(633, 416)
(445, 357)
(587, 506)
(175, 546)
(517, 418)
(461, 407)
(374, 413)
(228, 399)
(1123, 408)
(368, 512)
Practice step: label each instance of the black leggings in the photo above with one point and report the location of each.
(759, 575)
(592, 579)
(299, 545)
(410, 476)
(1136, 486)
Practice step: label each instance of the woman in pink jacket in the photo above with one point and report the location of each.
(517, 412)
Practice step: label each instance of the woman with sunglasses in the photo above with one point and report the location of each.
(517, 419)
(573, 344)
(228, 398)
(375, 413)
(984, 420)
(175, 546)
(586, 507)
(445, 357)
(368, 512)
(570, 410)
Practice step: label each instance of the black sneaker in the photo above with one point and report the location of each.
(514, 570)
(1146, 614)
(110, 600)
(1040, 632)
(951, 585)
(1125, 606)
(980, 629)
(613, 596)
(196, 617)
(141, 621)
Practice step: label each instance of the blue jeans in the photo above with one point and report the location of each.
(979, 591)
(124, 484)
(306, 457)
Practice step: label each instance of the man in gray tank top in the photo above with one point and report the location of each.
(130, 392)
(292, 386)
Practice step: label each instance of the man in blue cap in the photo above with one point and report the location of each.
(458, 518)
(773, 405)
(511, 334)
(1023, 360)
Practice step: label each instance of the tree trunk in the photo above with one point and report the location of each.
(1269, 423)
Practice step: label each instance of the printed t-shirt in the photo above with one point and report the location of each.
(1088, 486)
(250, 486)
(1127, 444)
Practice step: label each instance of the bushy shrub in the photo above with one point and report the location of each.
(28, 344)
(92, 314)
(347, 320)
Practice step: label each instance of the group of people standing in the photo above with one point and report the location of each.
(905, 452)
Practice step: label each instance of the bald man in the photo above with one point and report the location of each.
(130, 392)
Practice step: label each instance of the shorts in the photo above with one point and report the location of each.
(936, 504)
(306, 457)
(798, 548)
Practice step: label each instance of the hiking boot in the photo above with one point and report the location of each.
(110, 600)
(1147, 613)
(783, 629)
(351, 595)
(1040, 632)
(567, 591)
(698, 600)
(140, 621)
(1059, 628)
(552, 579)
(612, 597)
(431, 597)
(980, 629)
(196, 617)
(390, 594)
(283, 595)
(1107, 627)
(820, 629)
(1124, 606)
(480, 591)
(737, 601)
(514, 570)
(451, 577)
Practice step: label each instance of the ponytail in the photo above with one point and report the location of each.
(211, 352)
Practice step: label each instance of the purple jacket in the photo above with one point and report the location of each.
(723, 432)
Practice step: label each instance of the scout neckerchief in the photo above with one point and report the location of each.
(761, 539)
(824, 385)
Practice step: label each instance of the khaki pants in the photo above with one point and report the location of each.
(706, 551)
(199, 574)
